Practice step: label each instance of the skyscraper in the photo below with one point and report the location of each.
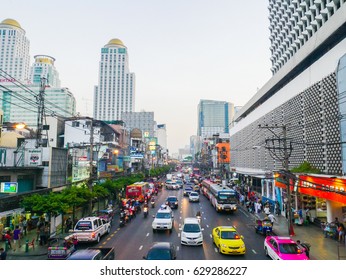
(14, 51)
(115, 92)
(19, 101)
(214, 117)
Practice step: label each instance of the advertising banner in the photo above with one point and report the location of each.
(9, 187)
(34, 157)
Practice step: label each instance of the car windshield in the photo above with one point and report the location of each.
(172, 199)
(229, 235)
(163, 215)
(194, 194)
(289, 248)
(159, 254)
(83, 225)
(191, 228)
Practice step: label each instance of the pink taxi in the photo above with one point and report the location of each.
(283, 248)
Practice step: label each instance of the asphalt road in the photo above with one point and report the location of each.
(134, 240)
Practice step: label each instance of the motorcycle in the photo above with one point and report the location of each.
(122, 219)
(145, 212)
(152, 204)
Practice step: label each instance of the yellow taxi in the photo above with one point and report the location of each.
(228, 241)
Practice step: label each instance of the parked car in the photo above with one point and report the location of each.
(228, 240)
(194, 197)
(191, 233)
(283, 248)
(161, 251)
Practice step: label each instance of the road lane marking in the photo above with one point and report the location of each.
(104, 243)
(180, 218)
(210, 236)
(177, 248)
(254, 251)
(181, 212)
(215, 250)
(140, 248)
(178, 234)
(108, 238)
(148, 234)
(207, 225)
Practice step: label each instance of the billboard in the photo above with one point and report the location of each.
(8, 187)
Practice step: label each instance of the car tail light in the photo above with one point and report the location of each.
(93, 234)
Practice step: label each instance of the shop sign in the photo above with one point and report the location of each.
(9, 187)
(34, 157)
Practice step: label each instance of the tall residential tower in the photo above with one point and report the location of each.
(115, 92)
(14, 52)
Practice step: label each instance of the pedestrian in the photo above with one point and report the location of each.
(25, 226)
(271, 218)
(3, 254)
(8, 239)
(16, 238)
(68, 224)
(42, 235)
(341, 232)
(266, 209)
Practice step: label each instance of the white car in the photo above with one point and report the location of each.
(194, 197)
(164, 219)
(91, 229)
(191, 233)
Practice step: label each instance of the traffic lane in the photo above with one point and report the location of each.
(243, 224)
(132, 241)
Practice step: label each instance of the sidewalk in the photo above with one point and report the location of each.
(321, 248)
(37, 250)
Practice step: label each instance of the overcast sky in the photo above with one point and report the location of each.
(181, 51)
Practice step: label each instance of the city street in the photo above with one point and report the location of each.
(133, 241)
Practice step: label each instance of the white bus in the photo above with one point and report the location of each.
(221, 198)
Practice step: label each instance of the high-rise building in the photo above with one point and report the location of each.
(161, 134)
(43, 67)
(115, 92)
(19, 100)
(214, 117)
(141, 120)
(14, 51)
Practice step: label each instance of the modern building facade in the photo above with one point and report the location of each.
(115, 92)
(44, 67)
(161, 134)
(214, 117)
(293, 23)
(141, 120)
(301, 105)
(14, 52)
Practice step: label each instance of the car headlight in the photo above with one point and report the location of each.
(176, 202)
(219, 207)
(242, 246)
(183, 235)
(223, 245)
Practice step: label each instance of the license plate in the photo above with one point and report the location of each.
(191, 242)
(57, 252)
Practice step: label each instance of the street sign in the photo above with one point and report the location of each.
(9, 187)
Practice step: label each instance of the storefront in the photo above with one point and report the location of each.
(319, 197)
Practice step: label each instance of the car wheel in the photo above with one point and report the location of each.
(98, 239)
(266, 251)
(170, 230)
(109, 230)
(219, 249)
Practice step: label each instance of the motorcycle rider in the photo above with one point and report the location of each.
(152, 202)
(145, 210)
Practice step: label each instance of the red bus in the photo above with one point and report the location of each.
(137, 191)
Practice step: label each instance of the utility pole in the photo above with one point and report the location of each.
(40, 113)
(282, 154)
(91, 159)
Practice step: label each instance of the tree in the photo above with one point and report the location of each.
(306, 167)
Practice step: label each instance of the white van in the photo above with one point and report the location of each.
(164, 219)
